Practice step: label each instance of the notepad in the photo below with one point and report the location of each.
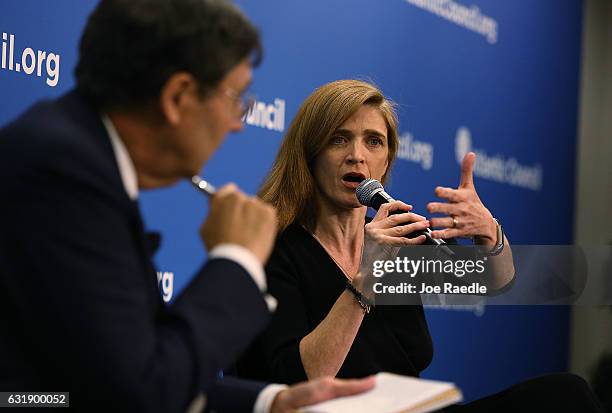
(394, 394)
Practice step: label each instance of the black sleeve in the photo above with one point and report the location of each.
(233, 395)
(280, 341)
(85, 295)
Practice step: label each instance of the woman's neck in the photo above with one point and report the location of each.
(341, 230)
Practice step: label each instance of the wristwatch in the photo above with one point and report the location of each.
(499, 245)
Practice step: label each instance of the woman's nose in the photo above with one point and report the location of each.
(357, 153)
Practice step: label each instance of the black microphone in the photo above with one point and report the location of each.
(371, 193)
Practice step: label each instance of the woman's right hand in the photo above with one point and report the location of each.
(384, 236)
(391, 229)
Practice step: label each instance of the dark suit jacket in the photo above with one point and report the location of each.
(80, 309)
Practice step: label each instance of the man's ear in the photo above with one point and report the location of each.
(177, 95)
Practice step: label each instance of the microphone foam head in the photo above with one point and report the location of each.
(366, 190)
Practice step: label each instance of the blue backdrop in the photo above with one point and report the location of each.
(499, 78)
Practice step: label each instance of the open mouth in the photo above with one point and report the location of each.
(353, 177)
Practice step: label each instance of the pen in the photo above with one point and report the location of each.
(203, 185)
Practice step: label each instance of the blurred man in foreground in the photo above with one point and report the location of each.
(159, 85)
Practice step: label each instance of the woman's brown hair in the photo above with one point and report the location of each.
(290, 186)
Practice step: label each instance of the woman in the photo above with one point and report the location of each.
(346, 131)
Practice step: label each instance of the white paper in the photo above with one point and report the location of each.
(391, 394)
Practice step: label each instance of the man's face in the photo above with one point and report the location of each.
(211, 118)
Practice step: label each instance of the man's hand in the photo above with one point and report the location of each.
(319, 390)
(239, 219)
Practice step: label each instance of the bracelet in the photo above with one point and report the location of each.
(499, 244)
(363, 302)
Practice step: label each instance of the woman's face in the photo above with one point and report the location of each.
(357, 150)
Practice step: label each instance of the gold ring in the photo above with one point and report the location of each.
(455, 222)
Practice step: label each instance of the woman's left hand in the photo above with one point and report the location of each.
(466, 216)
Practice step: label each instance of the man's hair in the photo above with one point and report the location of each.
(290, 186)
(130, 48)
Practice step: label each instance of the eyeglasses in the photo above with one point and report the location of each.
(245, 101)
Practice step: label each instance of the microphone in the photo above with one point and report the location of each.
(371, 193)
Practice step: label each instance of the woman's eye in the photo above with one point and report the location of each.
(337, 140)
(375, 141)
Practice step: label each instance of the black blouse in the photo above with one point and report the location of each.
(307, 282)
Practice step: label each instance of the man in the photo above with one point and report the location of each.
(158, 88)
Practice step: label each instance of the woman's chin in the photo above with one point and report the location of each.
(351, 205)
